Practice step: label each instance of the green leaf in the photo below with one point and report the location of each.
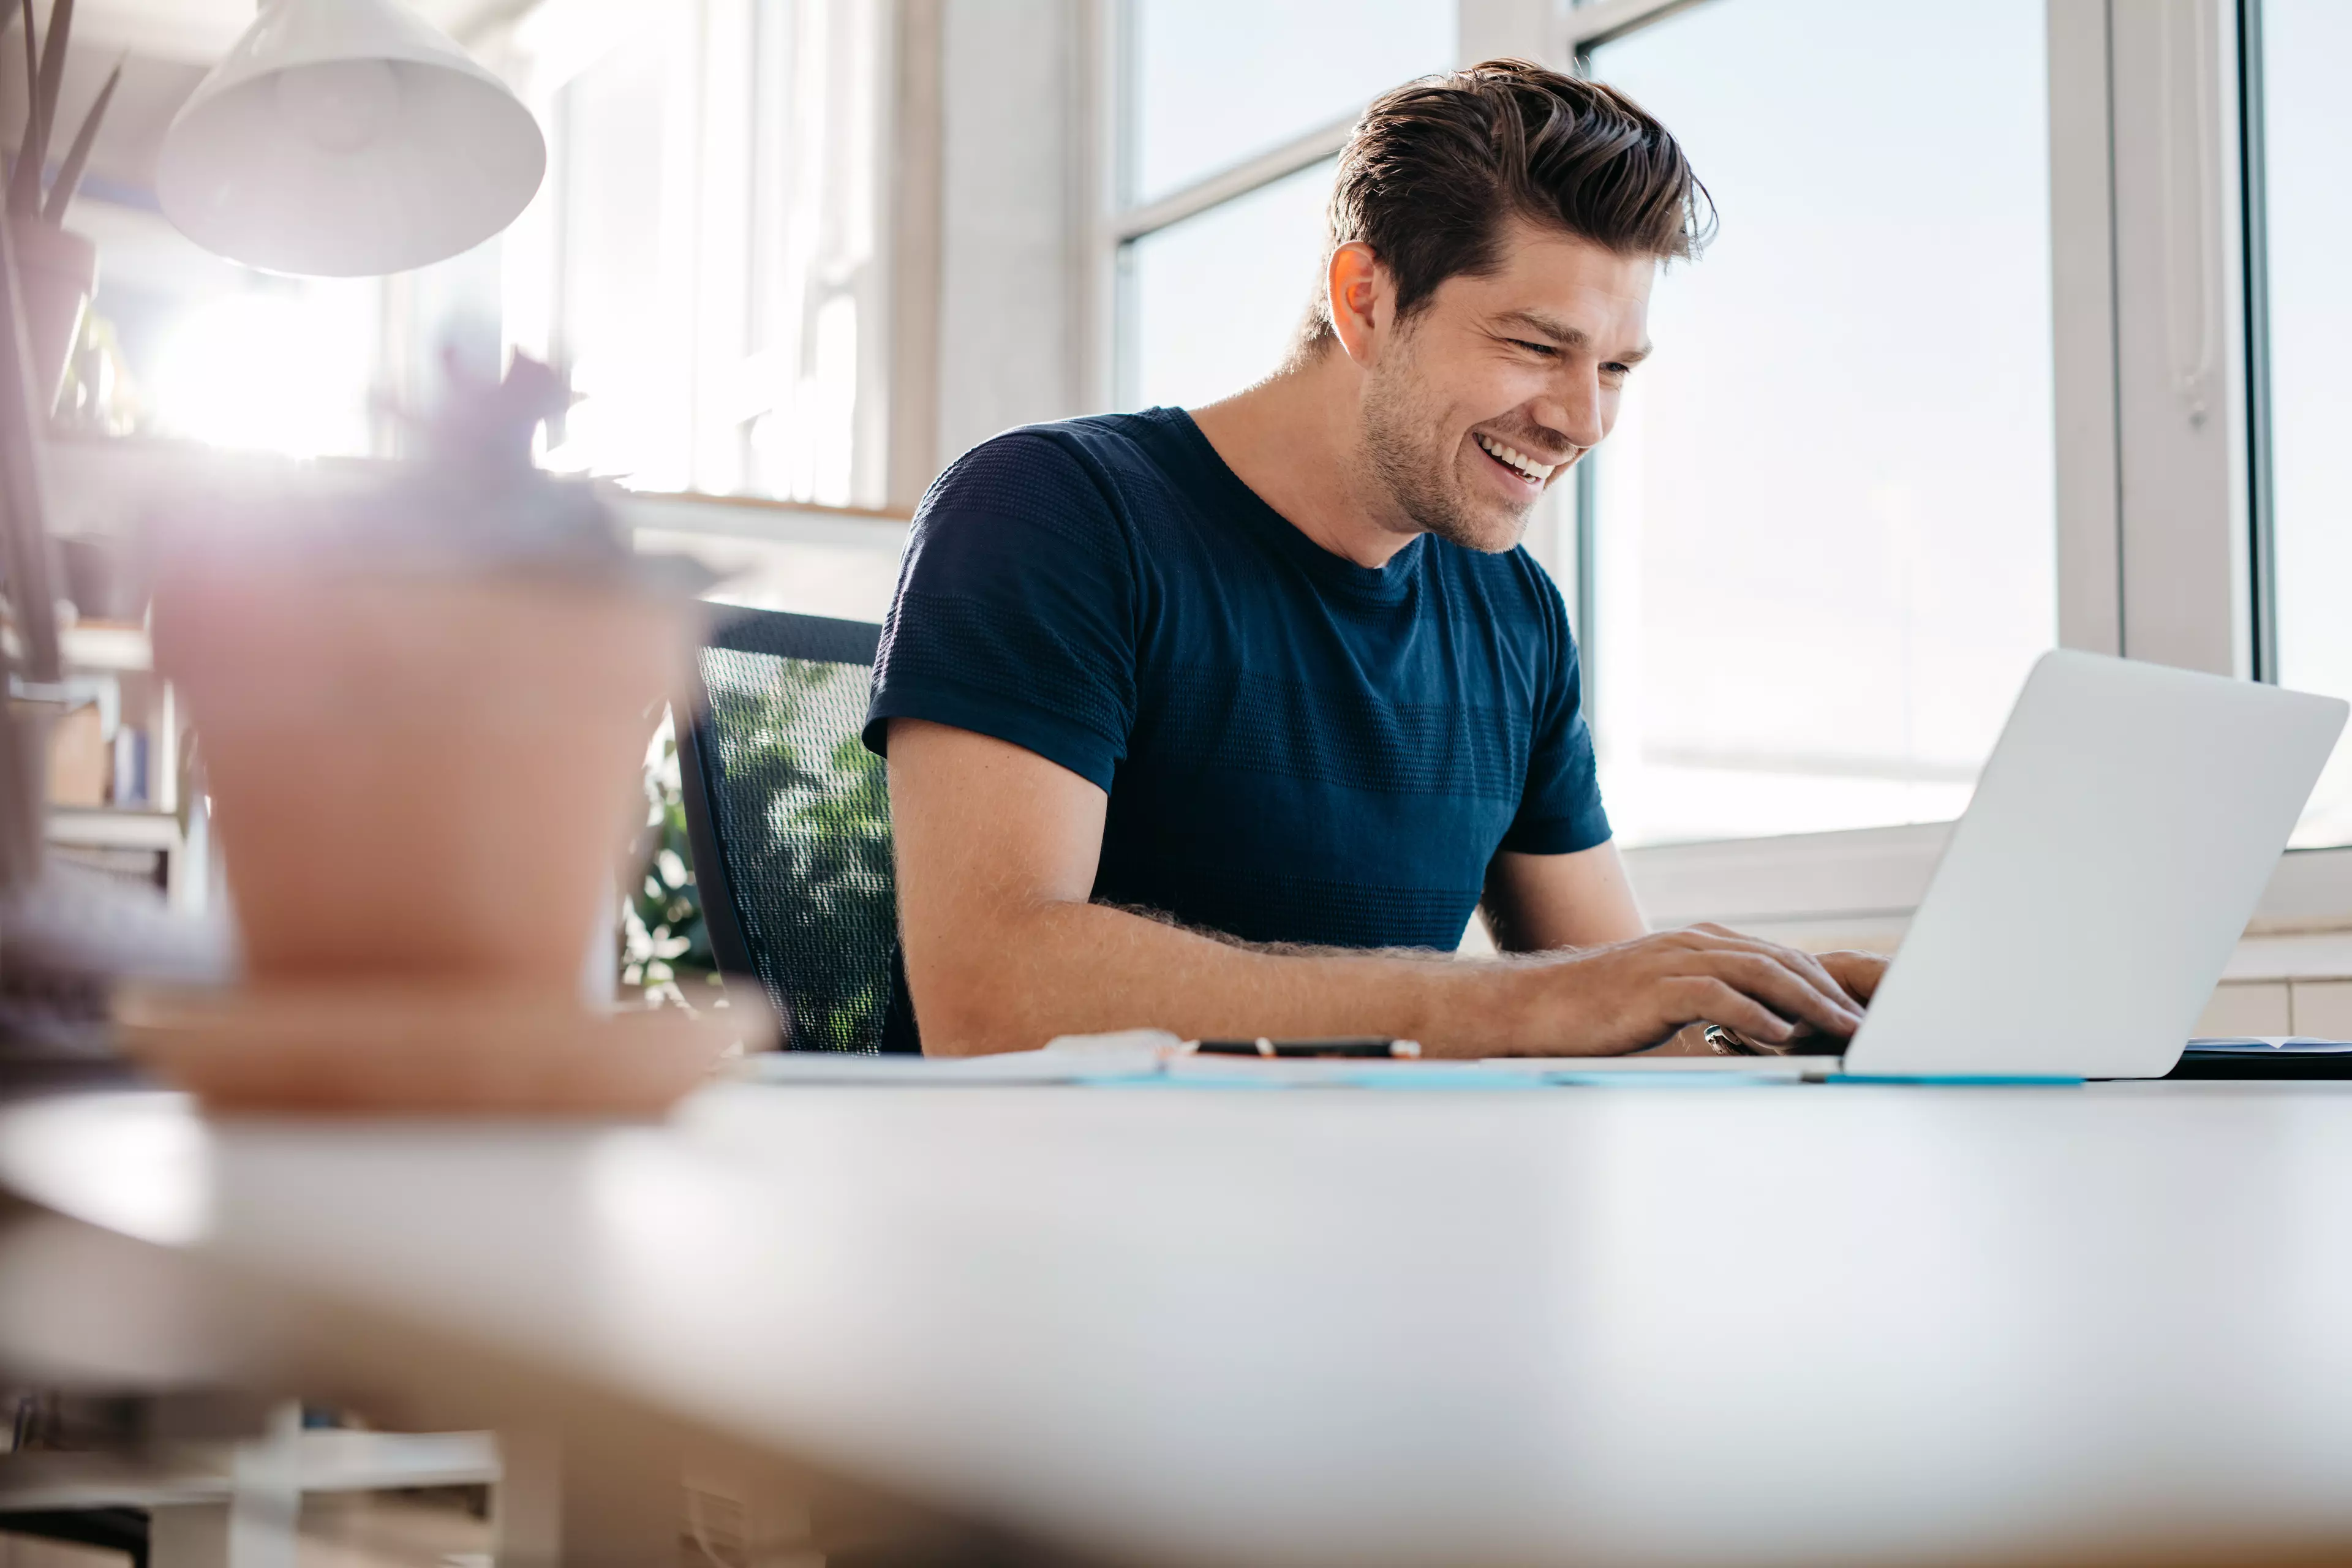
(68, 178)
(53, 74)
(25, 186)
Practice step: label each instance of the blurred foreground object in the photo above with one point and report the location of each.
(341, 138)
(408, 1048)
(423, 709)
(66, 936)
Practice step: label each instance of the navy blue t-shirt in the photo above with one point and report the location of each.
(1296, 748)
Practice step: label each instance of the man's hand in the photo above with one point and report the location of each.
(1634, 994)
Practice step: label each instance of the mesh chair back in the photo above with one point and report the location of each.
(790, 821)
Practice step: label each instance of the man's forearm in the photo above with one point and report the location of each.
(997, 849)
(1059, 968)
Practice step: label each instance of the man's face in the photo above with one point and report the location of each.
(1487, 396)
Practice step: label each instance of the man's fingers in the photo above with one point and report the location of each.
(1774, 996)
(1817, 970)
(1795, 990)
(1859, 973)
(1788, 989)
(1703, 996)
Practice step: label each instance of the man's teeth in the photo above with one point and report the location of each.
(1536, 472)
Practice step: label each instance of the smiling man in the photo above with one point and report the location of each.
(1225, 721)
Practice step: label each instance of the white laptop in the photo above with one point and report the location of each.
(2120, 836)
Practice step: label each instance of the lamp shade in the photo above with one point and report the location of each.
(343, 138)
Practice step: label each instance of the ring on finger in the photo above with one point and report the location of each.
(1731, 1042)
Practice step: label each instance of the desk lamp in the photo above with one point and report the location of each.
(345, 138)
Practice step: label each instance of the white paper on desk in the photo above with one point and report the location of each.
(1072, 1059)
(2289, 1045)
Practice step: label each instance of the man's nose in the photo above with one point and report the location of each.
(1571, 407)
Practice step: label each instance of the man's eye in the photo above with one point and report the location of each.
(1616, 372)
(1546, 349)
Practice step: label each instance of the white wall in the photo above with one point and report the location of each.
(1012, 276)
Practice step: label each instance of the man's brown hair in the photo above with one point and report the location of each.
(1436, 169)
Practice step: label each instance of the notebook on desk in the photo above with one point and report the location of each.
(2293, 1057)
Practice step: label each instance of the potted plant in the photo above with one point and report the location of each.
(422, 708)
(57, 269)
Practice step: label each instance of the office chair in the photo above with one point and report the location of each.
(789, 818)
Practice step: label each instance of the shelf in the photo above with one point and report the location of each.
(320, 1461)
(2297, 956)
(109, 486)
(94, 649)
(107, 648)
(111, 827)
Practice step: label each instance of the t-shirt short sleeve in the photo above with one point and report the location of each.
(1560, 810)
(1015, 611)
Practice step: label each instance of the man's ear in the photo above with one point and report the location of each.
(1360, 297)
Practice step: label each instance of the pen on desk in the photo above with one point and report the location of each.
(1341, 1046)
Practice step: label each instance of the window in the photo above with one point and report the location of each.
(1961, 379)
(1822, 629)
(1231, 110)
(1217, 298)
(186, 344)
(272, 364)
(706, 255)
(1214, 82)
(2307, 123)
(1823, 534)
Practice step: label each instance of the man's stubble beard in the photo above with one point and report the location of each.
(1400, 450)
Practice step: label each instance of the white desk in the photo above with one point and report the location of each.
(1642, 1324)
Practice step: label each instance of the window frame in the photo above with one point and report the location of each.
(2161, 484)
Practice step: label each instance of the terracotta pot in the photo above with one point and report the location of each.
(418, 776)
(57, 272)
(396, 1047)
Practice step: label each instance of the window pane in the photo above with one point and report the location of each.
(283, 364)
(1216, 81)
(1826, 537)
(629, 362)
(1211, 303)
(2308, 124)
(709, 249)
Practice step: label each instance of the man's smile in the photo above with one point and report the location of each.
(1513, 461)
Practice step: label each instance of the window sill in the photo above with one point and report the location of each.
(2305, 956)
